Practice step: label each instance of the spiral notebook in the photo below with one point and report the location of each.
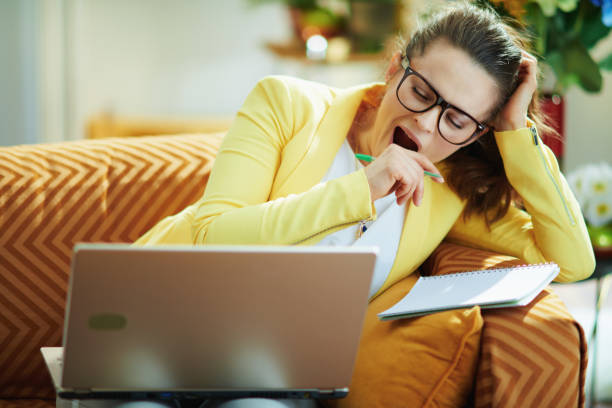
(491, 288)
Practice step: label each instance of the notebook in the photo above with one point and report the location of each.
(491, 288)
(211, 321)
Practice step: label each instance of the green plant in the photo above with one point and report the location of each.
(367, 23)
(313, 13)
(564, 33)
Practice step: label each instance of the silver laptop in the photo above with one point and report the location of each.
(212, 321)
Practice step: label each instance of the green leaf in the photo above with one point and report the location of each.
(548, 6)
(592, 28)
(567, 5)
(538, 24)
(573, 64)
(564, 78)
(606, 63)
(577, 61)
(321, 18)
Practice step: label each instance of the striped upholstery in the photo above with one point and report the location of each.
(113, 190)
(533, 356)
(52, 196)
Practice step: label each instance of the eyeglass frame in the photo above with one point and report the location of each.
(480, 127)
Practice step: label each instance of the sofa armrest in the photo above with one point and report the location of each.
(534, 355)
(54, 195)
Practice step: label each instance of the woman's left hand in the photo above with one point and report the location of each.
(514, 114)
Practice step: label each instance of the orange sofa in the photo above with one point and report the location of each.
(113, 190)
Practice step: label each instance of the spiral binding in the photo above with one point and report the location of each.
(485, 271)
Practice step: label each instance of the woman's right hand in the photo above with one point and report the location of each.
(400, 171)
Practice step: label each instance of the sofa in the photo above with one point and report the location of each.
(113, 190)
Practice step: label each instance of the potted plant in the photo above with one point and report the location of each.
(367, 23)
(564, 32)
(308, 17)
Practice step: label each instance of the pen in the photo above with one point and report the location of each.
(368, 158)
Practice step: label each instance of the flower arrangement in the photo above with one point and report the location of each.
(564, 32)
(592, 185)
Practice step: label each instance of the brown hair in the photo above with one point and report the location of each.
(476, 171)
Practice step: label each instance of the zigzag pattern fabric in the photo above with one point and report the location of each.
(532, 356)
(53, 196)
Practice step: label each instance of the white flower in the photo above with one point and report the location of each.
(600, 182)
(592, 185)
(576, 181)
(598, 210)
(581, 181)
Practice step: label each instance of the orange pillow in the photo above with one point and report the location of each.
(421, 361)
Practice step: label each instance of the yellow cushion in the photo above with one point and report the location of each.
(422, 361)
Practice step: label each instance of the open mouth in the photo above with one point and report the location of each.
(401, 138)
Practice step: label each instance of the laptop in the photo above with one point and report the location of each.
(211, 321)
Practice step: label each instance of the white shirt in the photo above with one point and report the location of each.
(384, 232)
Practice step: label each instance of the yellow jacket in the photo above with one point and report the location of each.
(265, 189)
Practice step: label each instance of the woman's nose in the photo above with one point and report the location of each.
(428, 120)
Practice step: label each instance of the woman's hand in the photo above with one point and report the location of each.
(514, 114)
(399, 170)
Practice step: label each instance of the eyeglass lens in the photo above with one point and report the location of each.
(454, 125)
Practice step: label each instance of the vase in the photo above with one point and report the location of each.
(553, 107)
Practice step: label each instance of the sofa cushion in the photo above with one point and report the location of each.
(422, 361)
(52, 196)
(529, 356)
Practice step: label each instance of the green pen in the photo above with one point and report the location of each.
(368, 158)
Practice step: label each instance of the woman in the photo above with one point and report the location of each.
(457, 102)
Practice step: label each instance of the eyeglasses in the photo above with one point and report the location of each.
(417, 95)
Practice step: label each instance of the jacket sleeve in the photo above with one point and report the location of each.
(235, 207)
(552, 229)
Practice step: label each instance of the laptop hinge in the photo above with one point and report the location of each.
(82, 391)
(327, 391)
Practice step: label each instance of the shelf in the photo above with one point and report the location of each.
(295, 50)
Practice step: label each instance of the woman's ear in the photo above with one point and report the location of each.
(395, 65)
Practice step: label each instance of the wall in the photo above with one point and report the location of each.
(589, 119)
(589, 126)
(187, 58)
(18, 76)
(66, 60)
(158, 57)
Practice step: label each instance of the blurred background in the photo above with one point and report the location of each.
(74, 69)
(67, 62)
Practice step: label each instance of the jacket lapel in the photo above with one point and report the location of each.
(308, 168)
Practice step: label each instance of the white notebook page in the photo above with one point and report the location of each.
(509, 286)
